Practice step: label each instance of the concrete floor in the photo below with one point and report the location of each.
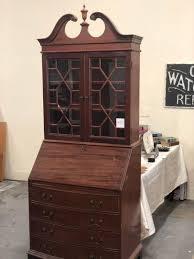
(174, 223)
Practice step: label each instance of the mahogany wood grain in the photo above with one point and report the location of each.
(83, 165)
(110, 43)
(84, 189)
(45, 248)
(72, 236)
(74, 219)
(74, 199)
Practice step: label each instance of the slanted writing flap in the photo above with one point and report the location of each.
(82, 165)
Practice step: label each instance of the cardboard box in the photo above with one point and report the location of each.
(2, 149)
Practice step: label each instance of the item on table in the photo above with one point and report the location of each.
(169, 141)
(148, 142)
(162, 148)
(151, 159)
(156, 134)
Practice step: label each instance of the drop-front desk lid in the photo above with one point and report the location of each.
(82, 165)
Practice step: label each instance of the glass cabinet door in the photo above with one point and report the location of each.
(107, 86)
(63, 96)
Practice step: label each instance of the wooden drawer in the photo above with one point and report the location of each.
(71, 252)
(69, 236)
(79, 200)
(75, 219)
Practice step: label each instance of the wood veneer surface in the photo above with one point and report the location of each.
(82, 165)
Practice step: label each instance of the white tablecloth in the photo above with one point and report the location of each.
(162, 177)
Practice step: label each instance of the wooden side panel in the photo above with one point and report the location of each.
(130, 207)
(2, 148)
(134, 96)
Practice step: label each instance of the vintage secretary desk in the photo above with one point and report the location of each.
(84, 188)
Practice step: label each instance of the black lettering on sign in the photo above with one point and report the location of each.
(180, 85)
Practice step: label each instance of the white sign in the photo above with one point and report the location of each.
(120, 123)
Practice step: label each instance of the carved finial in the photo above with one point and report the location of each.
(84, 15)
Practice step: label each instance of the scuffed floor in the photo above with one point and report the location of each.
(174, 223)
(14, 238)
(174, 238)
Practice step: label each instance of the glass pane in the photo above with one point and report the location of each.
(107, 88)
(98, 117)
(54, 75)
(95, 62)
(118, 85)
(97, 75)
(108, 130)
(120, 98)
(107, 66)
(63, 66)
(95, 97)
(52, 96)
(52, 63)
(73, 75)
(118, 74)
(53, 129)
(76, 130)
(121, 61)
(107, 96)
(75, 63)
(64, 95)
(53, 85)
(55, 116)
(95, 131)
(120, 133)
(64, 127)
(117, 114)
(74, 116)
(75, 97)
(97, 86)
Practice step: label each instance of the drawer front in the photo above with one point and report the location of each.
(75, 219)
(79, 200)
(74, 236)
(71, 252)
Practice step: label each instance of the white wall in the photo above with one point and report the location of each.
(167, 28)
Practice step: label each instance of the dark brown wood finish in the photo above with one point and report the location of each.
(84, 188)
(111, 44)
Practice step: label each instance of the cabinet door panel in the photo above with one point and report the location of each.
(63, 102)
(108, 92)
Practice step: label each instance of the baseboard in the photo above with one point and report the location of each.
(32, 254)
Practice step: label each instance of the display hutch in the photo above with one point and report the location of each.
(84, 188)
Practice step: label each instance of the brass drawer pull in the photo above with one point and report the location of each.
(49, 214)
(96, 204)
(92, 238)
(43, 195)
(50, 197)
(92, 202)
(47, 249)
(101, 240)
(51, 231)
(92, 220)
(43, 229)
(101, 221)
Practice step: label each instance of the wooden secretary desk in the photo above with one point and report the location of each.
(84, 188)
